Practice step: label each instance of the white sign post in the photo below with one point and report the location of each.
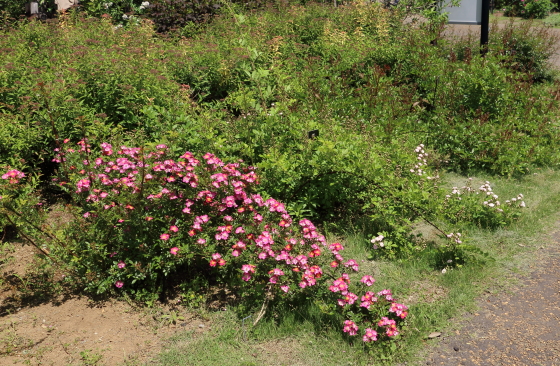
(475, 12)
(468, 12)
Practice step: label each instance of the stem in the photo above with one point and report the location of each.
(51, 236)
(264, 307)
(29, 239)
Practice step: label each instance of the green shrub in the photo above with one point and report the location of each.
(13, 8)
(252, 87)
(529, 9)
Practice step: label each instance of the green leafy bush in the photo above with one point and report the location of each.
(13, 8)
(172, 15)
(529, 9)
(252, 87)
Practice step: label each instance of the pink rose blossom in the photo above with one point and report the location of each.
(367, 280)
(350, 327)
(370, 335)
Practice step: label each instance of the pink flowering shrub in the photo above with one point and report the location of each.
(146, 218)
(19, 203)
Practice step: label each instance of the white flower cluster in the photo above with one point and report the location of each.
(378, 240)
(422, 155)
(107, 5)
(144, 5)
(456, 237)
(459, 191)
(517, 200)
(492, 198)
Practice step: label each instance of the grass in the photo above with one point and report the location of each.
(552, 20)
(436, 300)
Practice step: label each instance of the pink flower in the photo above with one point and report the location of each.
(174, 228)
(174, 250)
(399, 310)
(248, 268)
(353, 264)
(370, 335)
(392, 330)
(349, 298)
(285, 288)
(121, 264)
(338, 285)
(350, 327)
(119, 284)
(367, 280)
(335, 248)
(13, 176)
(82, 185)
(201, 241)
(164, 236)
(385, 321)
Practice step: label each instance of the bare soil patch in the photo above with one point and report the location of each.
(51, 327)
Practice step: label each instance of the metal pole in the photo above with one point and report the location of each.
(484, 26)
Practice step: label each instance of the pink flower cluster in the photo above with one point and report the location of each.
(208, 209)
(13, 176)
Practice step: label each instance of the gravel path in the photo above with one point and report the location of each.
(518, 328)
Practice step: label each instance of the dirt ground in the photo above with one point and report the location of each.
(60, 329)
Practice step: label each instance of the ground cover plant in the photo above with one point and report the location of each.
(346, 118)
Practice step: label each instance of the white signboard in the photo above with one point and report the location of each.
(468, 12)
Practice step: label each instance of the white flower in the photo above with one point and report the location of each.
(443, 271)
(522, 204)
(144, 5)
(107, 5)
(125, 17)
